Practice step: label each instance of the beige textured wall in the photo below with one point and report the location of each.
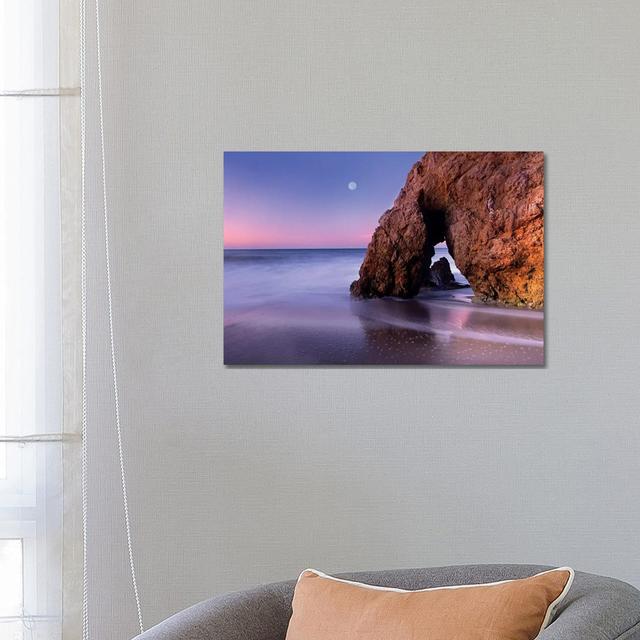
(239, 476)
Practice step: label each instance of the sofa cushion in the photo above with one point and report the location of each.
(326, 607)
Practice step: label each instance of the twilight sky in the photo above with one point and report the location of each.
(309, 199)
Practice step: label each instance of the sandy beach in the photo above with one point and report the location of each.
(293, 307)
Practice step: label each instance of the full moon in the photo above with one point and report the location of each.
(352, 186)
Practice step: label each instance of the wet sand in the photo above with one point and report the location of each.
(292, 307)
(435, 328)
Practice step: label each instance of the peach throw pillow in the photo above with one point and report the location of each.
(326, 608)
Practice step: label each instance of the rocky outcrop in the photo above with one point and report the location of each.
(395, 261)
(440, 275)
(487, 206)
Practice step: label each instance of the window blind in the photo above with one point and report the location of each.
(40, 555)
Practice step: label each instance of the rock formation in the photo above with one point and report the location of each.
(394, 264)
(487, 206)
(440, 275)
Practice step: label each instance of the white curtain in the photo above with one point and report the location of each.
(40, 549)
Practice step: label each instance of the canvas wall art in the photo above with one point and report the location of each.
(384, 258)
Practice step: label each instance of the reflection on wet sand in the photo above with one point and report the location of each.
(447, 328)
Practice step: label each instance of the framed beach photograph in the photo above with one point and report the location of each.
(384, 258)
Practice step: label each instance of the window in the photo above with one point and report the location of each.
(32, 430)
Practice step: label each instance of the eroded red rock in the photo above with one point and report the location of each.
(488, 206)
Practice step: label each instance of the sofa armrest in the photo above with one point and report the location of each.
(597, 608)
(258, 614)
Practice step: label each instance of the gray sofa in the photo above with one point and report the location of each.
(596, 608)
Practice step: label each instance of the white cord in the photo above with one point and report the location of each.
(113, 351)
(83, 288)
